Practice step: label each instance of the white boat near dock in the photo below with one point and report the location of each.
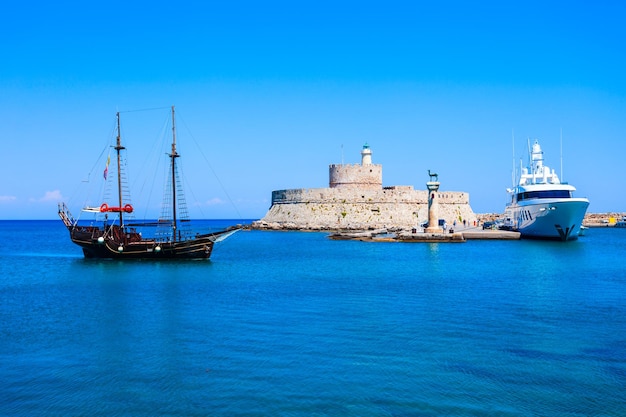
(542, 206)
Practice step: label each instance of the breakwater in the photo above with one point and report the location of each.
(608, 219)
(396, 207)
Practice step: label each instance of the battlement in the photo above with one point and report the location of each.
(388, 195)
(355, 176)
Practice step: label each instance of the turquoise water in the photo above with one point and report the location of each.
(294, 324)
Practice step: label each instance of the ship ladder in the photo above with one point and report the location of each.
(66, 216)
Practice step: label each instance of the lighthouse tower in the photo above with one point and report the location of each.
(366, 176)
(366, 155)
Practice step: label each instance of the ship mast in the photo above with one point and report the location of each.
(118, 148)
(173, 156)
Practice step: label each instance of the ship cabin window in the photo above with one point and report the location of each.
(543, 194)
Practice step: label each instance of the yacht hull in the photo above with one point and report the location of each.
(557, 219)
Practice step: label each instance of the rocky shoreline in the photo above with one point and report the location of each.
(591, 220)
(602, 219)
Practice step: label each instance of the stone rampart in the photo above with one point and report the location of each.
(399, 207)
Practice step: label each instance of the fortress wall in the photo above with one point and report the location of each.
(362, 176)
(344, 208)
(357, 200)
(389, 194)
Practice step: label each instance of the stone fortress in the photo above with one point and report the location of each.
(357, 200)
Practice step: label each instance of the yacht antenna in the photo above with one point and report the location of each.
(561, 154)
(513, 171)
(530, 161)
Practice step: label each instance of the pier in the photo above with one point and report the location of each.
(472, 233)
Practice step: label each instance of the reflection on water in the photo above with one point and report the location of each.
(297, 324)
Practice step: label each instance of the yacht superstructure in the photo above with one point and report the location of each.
(542, 206)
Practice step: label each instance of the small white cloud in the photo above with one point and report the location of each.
(49, 196)
(7, 198)
(214, 202)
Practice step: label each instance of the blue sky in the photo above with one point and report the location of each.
(273, 92)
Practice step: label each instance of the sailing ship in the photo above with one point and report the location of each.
(118, 238)
(542, 206)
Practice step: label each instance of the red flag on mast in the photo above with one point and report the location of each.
(106, 168)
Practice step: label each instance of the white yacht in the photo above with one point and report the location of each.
(542, 206)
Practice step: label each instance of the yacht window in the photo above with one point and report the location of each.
(543, 194)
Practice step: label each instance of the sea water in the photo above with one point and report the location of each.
(296, 324)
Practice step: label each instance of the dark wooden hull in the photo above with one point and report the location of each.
(96, 244)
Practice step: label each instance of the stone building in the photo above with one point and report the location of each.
(357, 200)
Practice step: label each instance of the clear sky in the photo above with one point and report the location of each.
(274, 92)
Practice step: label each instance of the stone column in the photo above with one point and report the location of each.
(433, 208)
